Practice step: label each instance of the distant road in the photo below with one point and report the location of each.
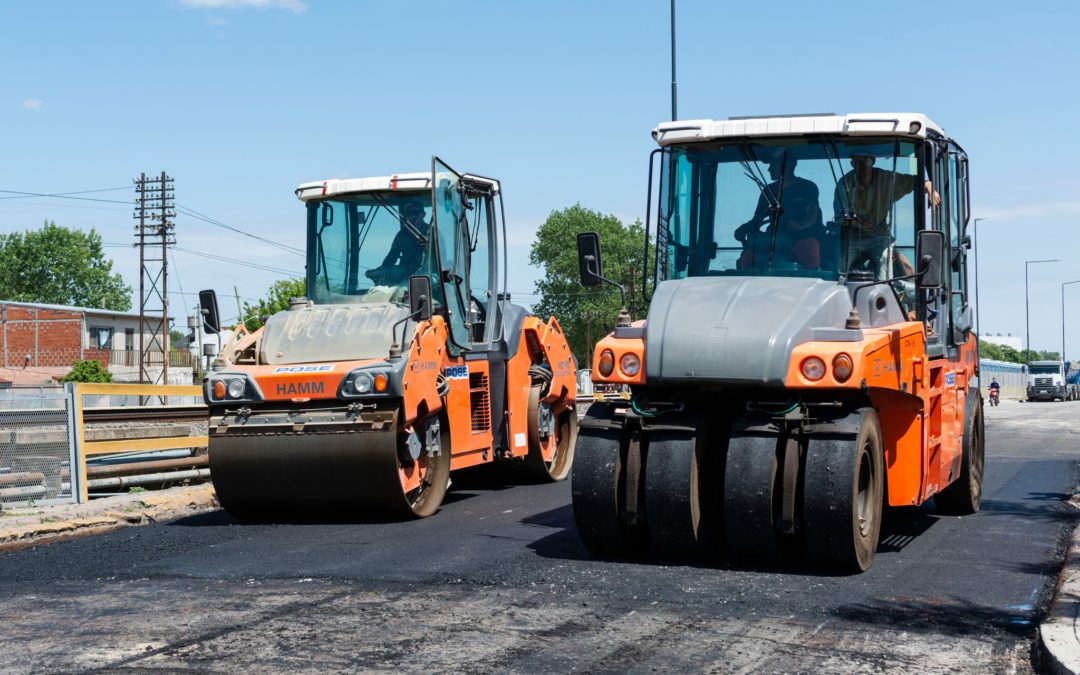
(498, 581)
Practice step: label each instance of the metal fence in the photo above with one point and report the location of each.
(112, 397)
(1011, 376)
(37, 448)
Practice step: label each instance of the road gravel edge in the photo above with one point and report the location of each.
(46, 524)
(1059, 634)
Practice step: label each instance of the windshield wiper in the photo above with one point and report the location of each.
(749, 165)
(848, 201)
(404, 221)
(778, 211)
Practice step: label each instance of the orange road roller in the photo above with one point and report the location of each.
(808, 356)
(405, 362)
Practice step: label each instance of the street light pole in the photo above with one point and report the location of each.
(1027, 315)
(1063, 359)
(975, 237)
(674, 86)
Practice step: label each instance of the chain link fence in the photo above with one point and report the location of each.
(37, 447)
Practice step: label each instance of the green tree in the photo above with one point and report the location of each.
(277, 299)
(586, 315)
(87, 371)
(60, 266)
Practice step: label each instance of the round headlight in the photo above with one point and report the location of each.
(630, 364)
(842, 367)
(362, 383)
(813, 368)
(607, 362)
(219, 389)
(236, 388)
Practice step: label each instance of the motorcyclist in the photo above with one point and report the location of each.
(995, 389)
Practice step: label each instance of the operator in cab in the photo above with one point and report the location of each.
(407, 251)
(799, 227)
(866, 195)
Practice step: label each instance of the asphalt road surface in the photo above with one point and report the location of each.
(497, 581)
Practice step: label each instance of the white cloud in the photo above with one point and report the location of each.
(217, 21)
(33, 104)
(1037, 210)
(292, 5)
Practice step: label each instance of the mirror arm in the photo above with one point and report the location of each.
(853, 321)
(395, 349)
(623, 318)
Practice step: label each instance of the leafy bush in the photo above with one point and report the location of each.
(87, 371)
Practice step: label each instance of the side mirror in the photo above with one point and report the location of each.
(420, 297)
(964, 321)
(589, 266)
(930, 251)
(210, 317)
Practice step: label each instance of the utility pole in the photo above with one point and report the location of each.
(674, 85)
(154, 234)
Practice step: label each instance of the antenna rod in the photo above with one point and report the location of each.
(674, 85)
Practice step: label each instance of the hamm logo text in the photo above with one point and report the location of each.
(299, 388)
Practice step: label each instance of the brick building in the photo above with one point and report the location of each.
(48, 339)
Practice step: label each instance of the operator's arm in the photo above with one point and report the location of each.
(752, 225)
(395, 250)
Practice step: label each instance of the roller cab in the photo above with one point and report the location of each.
(404, 362)
(807, 356)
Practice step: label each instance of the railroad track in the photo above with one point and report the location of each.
(174, 413)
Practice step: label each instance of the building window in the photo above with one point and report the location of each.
(129, 339)
(103, 336)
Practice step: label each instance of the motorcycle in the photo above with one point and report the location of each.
(994, 397)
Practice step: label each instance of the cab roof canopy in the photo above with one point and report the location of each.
(907, 125)
(399, 182)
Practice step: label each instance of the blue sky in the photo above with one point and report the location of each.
(241, 100)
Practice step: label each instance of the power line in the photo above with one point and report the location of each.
(66, 195)
(257, 266)
(207, 219)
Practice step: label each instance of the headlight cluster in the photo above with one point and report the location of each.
(629, 364)
(364, 382)
(230, 389)
(813, 368)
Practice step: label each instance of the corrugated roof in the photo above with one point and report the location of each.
(72, 308)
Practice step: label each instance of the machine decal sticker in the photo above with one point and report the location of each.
(519, 440)
(950, 379)
(319, 368)
(457, 372)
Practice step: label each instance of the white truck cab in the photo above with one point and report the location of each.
(1046, 381)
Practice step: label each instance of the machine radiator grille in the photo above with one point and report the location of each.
(1044, 381)
(479, 402)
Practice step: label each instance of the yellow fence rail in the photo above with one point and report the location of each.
(85, 448)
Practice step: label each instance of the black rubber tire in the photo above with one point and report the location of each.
(675, 483)
(566, 429)
(426, 500)
(843, 493)
(596, 487)
(963, 496)
(750, 497)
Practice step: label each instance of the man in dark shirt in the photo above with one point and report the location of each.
(799, 223)
(406, 254)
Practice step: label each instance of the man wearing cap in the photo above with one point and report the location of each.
(406, 253)
(799, 221)
(866, 194)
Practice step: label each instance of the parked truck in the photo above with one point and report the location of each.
(1049, 381)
